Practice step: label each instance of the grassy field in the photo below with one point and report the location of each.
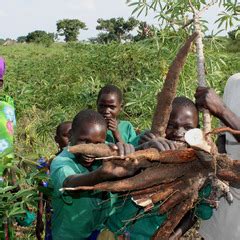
(51, 84)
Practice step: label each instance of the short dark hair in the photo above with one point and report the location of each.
(184, 102)
(109, 89)
(61, 126)
(87, 116)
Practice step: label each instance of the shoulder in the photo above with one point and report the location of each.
(124, 123)
(63, 159)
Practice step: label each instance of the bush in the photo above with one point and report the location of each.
(41, 37)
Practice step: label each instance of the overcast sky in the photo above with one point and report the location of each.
(19, 17)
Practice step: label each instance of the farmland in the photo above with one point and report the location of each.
(51, 84)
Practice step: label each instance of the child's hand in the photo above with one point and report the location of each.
(124, 168)
(207, 98)
(123, 148)
(147, 136)
(161, 144)
(112, 124)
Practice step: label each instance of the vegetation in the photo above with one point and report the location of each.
(116, 29)
(69, 28)
(39, 36)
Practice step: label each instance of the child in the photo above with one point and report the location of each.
(62, 135)
(109, 105)
(184, 116)
(76, 216)
(62, 140)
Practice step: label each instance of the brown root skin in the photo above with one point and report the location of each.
(154, 189)
(177, 156)
(229, 176)
(167, 191)
(168, 93)
(174, 217)
(182, 192)
(149, 177)
(98, 150)
(152, 154)
(223, 129)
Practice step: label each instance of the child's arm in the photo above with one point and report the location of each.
(109, 170)
(207, 98)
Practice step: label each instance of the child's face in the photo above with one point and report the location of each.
(108, 105)
(90, 133)
(62, 139)
(181, 120)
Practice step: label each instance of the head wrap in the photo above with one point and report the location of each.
(2, 67)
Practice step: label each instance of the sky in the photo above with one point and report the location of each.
(19, 17)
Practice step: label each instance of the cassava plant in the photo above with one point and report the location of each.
(187, 14)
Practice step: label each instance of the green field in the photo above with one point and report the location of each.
(51, 84)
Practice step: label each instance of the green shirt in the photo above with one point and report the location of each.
(75, 216)
(122, 221)
(126, 131)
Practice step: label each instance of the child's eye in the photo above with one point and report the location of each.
(188, 128)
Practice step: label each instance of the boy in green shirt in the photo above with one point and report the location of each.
(76, 216)
(109, 105)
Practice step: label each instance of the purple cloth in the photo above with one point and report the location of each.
(2, 67)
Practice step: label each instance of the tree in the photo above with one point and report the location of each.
(21, 39)
(39, 36)
(116, 29)
(69, 28)
(187, 14)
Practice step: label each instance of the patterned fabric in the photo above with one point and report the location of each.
(7, 126)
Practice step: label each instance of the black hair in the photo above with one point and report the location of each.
(109, 89)
(61, 126)
(87, 116)
(184, 102)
